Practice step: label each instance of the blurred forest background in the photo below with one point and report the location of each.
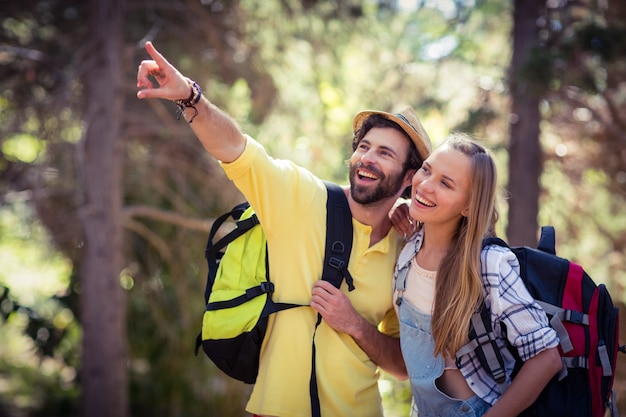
(105, 200)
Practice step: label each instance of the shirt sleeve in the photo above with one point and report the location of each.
(275, 188)
(390, 325)
(527, 326)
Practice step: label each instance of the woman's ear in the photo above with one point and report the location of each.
(465, 212)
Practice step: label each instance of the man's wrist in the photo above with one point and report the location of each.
(190, 102)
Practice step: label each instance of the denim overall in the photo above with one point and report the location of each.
(424, 368)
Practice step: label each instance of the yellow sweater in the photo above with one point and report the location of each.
(291, 205)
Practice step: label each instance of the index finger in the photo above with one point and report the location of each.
(156, 55)
(324, 285)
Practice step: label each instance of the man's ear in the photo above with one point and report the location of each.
(408, 177)
(406, 184)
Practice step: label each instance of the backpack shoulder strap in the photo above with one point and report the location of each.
(482, 337)
(483, 341)
(336, 258)
(494, 241)
(338, 237)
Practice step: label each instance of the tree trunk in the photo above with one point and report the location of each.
(104, 380)
(525, 161)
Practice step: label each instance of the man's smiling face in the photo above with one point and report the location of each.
(376, 166)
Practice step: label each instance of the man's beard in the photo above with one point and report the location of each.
(387, 186)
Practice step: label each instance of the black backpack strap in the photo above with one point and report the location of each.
(481, 335)
(336, 258)
(482, 338)
(494, 241)
(338, 237)
(483, 341)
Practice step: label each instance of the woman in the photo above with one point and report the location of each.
(442, 277)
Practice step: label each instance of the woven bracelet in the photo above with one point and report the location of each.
(194, 98)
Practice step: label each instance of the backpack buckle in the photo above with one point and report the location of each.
(336, 263)
(267, 287)
(338, 247)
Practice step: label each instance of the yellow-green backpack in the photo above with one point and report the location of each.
(238, 294)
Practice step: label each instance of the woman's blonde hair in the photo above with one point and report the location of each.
(459, 285)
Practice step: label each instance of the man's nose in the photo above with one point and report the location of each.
(368, 157)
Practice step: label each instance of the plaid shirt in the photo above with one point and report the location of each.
(510, 304)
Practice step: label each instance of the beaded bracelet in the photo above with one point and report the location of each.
(194, 98)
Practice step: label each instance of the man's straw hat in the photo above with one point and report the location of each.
(408, 121)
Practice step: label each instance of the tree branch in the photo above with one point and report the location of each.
(199, 225)
(150, 236)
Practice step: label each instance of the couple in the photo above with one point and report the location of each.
(452, 202)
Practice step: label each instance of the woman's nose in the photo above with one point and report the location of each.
(423, 183)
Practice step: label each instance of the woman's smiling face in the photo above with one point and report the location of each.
(441, 187)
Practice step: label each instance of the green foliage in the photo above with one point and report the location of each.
(396, 396)
(590, 197)
(23, 148)
(301, 71)
(607, 43)
(40, 336)
(293, 74)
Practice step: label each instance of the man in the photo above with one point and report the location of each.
(291, 204)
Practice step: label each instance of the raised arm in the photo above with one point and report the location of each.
(217, 131)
